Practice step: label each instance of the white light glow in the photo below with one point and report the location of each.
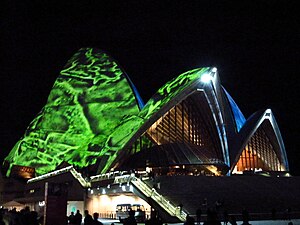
(105, 200)
(42, 203)
(107, 204)
(206, 78)
(123, 199)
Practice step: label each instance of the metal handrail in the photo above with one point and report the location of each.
(158, 198)
(118, 177)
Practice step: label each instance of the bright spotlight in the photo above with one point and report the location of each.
(206, 78)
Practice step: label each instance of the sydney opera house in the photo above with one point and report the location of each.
(95, 124)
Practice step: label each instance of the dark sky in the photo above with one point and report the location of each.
(254, 45)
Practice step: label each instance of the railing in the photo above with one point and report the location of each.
(153, 194)
(123, 179)
(70, 169)
(79, 177)
(106, 176)
(108, 214)
(158, 198)
(119, 178)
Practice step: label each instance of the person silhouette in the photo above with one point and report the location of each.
(88, 220)
(96, 221)
(71, 218)
(131, 219)
(78, 218)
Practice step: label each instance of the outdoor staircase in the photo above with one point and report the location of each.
(165, 204)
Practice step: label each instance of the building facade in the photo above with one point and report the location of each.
(95, 120)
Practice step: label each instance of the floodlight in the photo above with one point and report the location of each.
(206, 78)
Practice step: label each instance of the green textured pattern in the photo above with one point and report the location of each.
(171, 90)
(91, 112)
(88, 100)
(164, 95)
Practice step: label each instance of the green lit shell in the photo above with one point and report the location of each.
(87, 102)
(91, 112)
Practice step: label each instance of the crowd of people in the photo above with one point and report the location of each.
(22, 217)
(27, 217)
(76, 219)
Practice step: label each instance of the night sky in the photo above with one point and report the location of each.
(254, 45)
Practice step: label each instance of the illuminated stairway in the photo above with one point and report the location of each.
(169, 207)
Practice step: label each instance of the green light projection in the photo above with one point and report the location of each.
(171, 89)
(165, 94)
(91, 112)
(88, 100)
